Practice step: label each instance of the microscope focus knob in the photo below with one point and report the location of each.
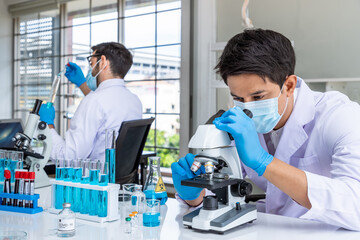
(41, 137)
(241, 189)
(42, 125)
(245, 188)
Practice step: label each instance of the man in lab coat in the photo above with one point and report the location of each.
(301, 147)
(106, 105)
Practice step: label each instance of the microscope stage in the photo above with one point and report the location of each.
(213, 184)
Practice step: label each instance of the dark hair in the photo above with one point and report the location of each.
(262, 52)
(120, 58)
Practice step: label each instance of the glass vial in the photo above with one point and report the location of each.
(66, 222)
(137, 199)
(128, 227)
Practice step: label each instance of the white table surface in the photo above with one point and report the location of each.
(266, 227)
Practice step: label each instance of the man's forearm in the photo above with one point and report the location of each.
(85, 89)
(290, 180)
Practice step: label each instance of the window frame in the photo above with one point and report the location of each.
(184, 78)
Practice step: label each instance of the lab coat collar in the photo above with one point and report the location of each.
(294, 135)
(111, 82)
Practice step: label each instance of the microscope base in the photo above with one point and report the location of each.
(220, 220)
(40, 183)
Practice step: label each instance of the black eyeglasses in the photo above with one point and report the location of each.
(94, 55)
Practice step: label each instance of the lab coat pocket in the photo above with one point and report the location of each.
(309, 164)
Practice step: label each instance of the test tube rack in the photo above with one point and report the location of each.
(112, 204)
(33, 210)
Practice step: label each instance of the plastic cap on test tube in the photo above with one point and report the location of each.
(31, 175)
(7, 174)
(17, 175)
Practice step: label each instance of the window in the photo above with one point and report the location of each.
(156, 43)
(36, 60)
(151, 29)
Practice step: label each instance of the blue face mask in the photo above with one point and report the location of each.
(90, 79)
(265, 113)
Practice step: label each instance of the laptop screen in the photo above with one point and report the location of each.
(8, 129)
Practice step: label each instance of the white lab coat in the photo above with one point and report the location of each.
(105, 108)
(322, 138)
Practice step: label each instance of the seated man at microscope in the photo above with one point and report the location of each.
(300, 147)
(106, 105)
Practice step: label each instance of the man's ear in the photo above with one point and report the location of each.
(290, 85)
(104, 62)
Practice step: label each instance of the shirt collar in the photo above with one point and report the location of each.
(111, 82)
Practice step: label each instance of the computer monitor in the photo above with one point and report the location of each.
(8, 129)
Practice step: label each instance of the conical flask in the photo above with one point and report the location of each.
(154, 185)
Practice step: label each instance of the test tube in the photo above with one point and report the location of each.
(31, 187)
(17, 162)
(27, 187)
(85, 193)
(110, 143)
(76, 178)
(103, 198)
(17, 187)
(94, 180)
(20, 161)
(12, 164)
(2, 165)
(7, 160)
(59, 189)
(22, 176)
(67, 176)
(7, 187)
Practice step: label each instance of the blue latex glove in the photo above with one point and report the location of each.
(180, 171)
(47, 113)
(74, 74)
(242, 128)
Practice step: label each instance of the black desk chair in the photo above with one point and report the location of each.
(129, 147)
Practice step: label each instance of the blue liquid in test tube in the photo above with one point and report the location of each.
(94, 180)
(2, 168)
(110, 159)
(85, 196)
(102, 204)
(77, 174)
(59, 190)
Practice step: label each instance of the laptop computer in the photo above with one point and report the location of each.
(8, 129)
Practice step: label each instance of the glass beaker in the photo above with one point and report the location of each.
(151, 215)
(154, 185)
(125, 200)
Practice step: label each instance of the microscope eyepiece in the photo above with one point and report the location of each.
(37, 106)
(248, 113)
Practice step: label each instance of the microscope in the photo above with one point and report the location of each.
(227, 209)
(33, 161)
